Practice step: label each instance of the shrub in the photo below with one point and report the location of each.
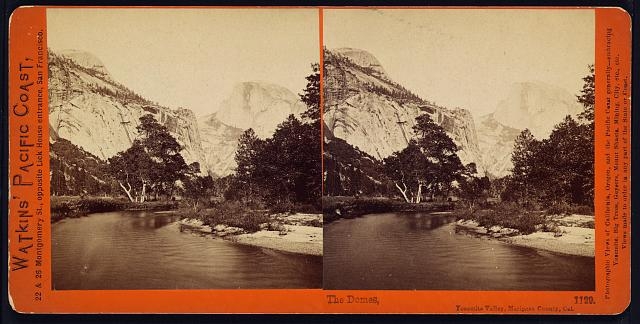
(307, 208)
(559, 208)
(285, 206)
(582, 210)
(233, 213)
(508, 214)
(563, 208)
(63, 207)
(100, 205)
(315, 223)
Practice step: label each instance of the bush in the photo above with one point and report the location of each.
(563, 208)
(559, 208)
(307, 208)
(283, 207)
(101, 205)
(507, 214)
(233, 213)
(63, 207)
(582, 210)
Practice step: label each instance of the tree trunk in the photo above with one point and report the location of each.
(419, 193)
(403, 192)
(128, 192)
(144, 189)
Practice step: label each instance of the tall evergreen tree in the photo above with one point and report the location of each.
(429, 163)
(152, 164)
(587, 96)
(247, 158)
(311, 94)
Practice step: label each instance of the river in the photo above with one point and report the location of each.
(146, 250)
(422, 251)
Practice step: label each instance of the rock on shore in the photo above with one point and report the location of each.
(294, 234)
(572, 236)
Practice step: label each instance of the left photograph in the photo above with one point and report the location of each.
(185, 148)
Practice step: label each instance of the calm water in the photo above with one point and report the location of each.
(143, 250)
(420, 251)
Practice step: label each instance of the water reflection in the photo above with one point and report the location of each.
(143, 250)
(425, 221)
(150, 221)
(422, 251)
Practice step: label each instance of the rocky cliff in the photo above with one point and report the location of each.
(258, 105)
(100, 115)
(534, 105)
(376, 115)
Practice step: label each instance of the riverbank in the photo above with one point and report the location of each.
(336, 207)
(74, 206)
(294, 233)
(571, 234)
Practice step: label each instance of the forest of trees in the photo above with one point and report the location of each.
(152, 165)
(285, 168)
(550, 172)
(558, 169)
(555, 173)
(428, 165)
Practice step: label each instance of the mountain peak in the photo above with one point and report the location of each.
(85, 60)
(361, 57)
(537, 106)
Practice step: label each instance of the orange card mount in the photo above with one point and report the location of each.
(122, 201)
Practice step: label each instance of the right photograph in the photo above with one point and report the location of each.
(458, 149)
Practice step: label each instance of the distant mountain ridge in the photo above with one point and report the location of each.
(536, 106)
(376, 115)
(257, 105)
(100, 115)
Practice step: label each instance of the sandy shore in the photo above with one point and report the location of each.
(571, 236)
(294, 236)
(298, 239)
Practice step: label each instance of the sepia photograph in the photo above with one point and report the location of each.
(185, 148)
(458, 149)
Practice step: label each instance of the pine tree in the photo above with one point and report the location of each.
(247, 156)
(152, 164)
(429, 164)
(588, 96)
(311, 94)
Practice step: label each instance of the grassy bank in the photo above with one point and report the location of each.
(229, 213)
(336, 207)
(512, 215)
(74, 206)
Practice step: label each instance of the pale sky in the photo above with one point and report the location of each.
(468, 58)
(192, 57)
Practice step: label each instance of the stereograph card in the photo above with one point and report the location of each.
(448, 160)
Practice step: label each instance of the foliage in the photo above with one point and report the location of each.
(556, 171)
(75, 171)
(337, 207)
(63, 207)
(152, 165)
(553, 170)
(563, 208)
(474, 190)
(587, 95)
(428, 163)
(394, 90)
(233, 213)
(286, 168)
(348, 171)
(311, 94)
(197, 189)
(250, 147)
(509, 214)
